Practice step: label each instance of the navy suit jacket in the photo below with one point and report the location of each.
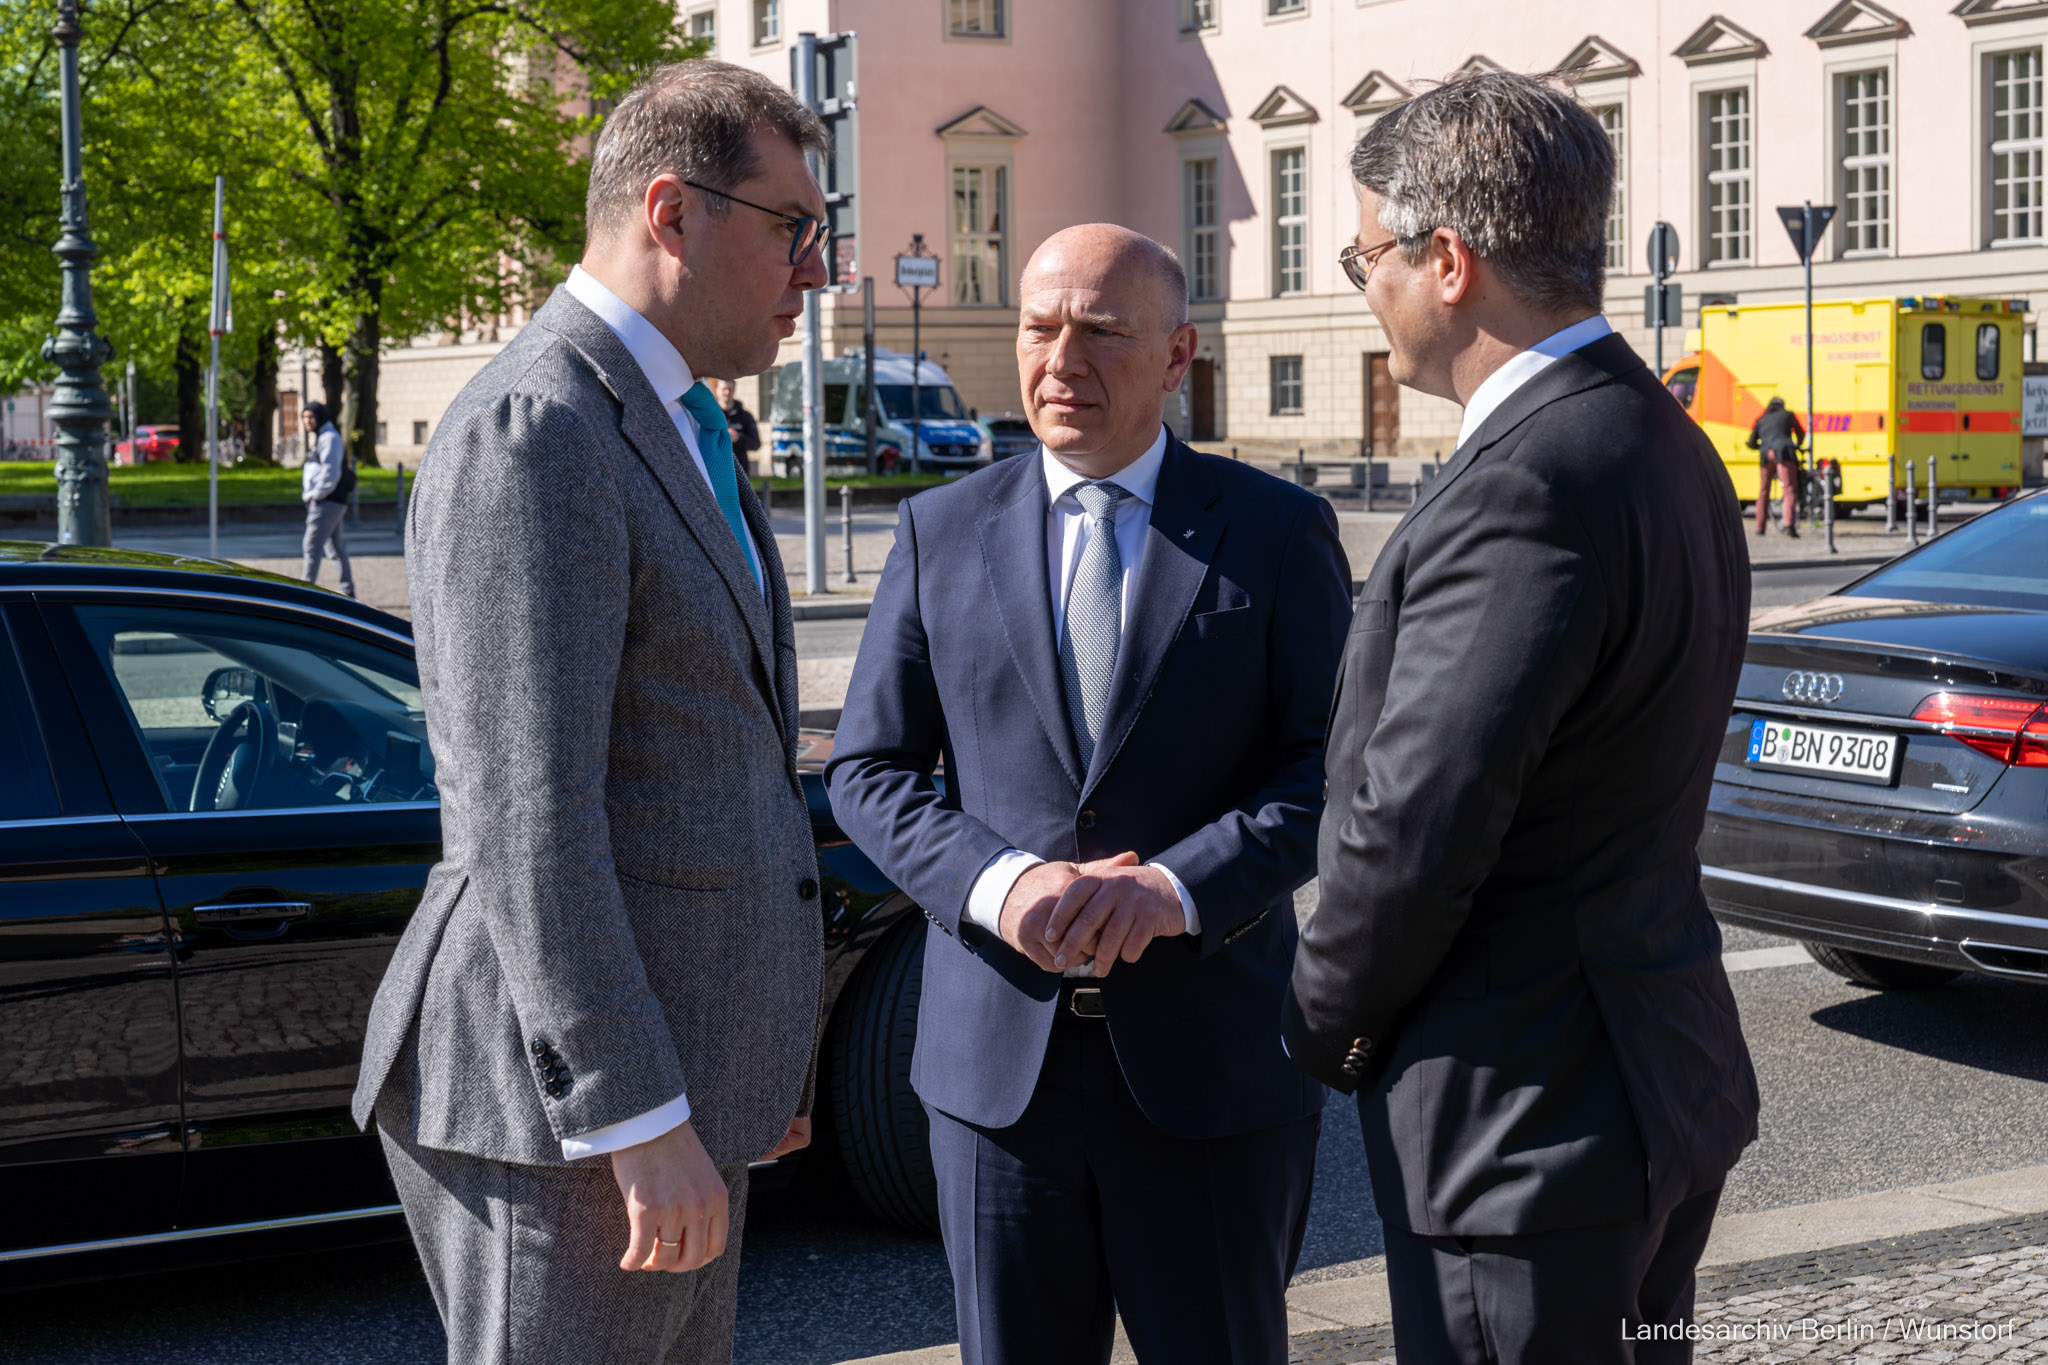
(1211, 762)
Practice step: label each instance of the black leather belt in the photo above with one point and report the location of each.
(1083, 1002)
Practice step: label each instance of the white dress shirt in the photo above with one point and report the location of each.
(1067, 528)
(1503, 382)
(669, 376)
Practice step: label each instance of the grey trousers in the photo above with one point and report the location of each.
(323, 537)
(523, 1262)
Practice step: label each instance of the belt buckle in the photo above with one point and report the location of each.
(1086, 1002)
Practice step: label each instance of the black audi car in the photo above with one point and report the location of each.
(217, 810)
(1882, 793)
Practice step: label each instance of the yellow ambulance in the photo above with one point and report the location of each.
(1906, 377)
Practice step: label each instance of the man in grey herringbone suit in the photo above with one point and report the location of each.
(606, 1004)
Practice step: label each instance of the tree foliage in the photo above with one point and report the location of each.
(394, 167)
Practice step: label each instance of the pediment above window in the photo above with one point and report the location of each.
(1195, 117)
(1478, 62)
(1596, 59)
(1282, 108)
(1718, 40)
(981, 122)
(1974, 12)
(1377, 92)
(1857, 21)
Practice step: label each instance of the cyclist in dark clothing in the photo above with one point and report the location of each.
(1777, 436)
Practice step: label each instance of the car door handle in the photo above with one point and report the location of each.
(239, 917)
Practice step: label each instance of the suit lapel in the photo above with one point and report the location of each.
(782, 622)
(652, 433)
(1181, 540)
(1594, 363)
(1013, 554)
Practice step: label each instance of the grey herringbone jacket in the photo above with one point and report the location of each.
(625, 907)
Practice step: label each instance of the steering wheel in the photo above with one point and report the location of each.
(239, 761)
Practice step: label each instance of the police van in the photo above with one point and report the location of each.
(948, 438)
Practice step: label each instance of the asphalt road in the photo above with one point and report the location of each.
(1863, 1091)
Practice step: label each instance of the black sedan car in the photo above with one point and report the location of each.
(217, 810)
(1882, 793)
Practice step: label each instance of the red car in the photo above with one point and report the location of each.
(151, 443)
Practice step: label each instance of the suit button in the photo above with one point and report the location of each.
(807, 889)
(554, 1089)
(540, 1049)
(1087, 819)
(1361, 1045)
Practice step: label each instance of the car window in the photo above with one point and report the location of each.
(932, 402)
(26, 792)
(248, 713)
(1998, 560)
(1987, 350)
(1933, 350)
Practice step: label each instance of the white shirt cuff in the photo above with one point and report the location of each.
(992, 887)
(617, 1137)
(1187, 902)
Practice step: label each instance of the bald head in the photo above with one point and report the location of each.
(1102, 338)
(1098, 250)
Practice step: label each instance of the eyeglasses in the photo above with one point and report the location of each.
(811, 233)
(1358, 261)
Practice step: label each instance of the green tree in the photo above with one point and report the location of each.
(437, 154)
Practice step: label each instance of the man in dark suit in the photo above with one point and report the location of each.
(1123, 652)
(1511, 961)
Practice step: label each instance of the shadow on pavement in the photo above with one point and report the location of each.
(1975, 1021)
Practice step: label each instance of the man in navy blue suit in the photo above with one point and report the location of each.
(1123, 651)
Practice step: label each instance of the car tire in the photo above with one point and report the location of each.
(884, 1137)
(1880, 973)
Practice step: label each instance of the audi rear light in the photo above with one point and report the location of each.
(2013, 730)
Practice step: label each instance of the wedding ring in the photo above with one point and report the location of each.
(660, 1242)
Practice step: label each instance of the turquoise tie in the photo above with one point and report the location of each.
(716, 443)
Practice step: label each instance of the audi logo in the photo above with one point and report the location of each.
(1825, 688)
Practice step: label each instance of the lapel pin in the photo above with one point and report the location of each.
(1187, 534)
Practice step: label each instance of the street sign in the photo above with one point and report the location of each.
(1663, 305)
(1663, 251)
(832, 98)
(2033, 405)
(1793, 216)
(917, 272)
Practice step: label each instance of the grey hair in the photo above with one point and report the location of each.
(1515, 166)
(695, 119)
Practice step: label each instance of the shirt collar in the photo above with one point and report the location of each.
(666, 370)
(1139, 479)
(1499, 386)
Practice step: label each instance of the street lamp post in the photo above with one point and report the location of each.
(78, 406)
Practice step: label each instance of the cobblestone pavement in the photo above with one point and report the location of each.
(1965, 1294)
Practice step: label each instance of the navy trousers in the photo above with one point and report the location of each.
(1083, 1210)
(1591, 1296)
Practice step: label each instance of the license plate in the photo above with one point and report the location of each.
(1852, 755)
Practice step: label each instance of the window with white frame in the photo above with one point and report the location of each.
(767, 22)
(974, 18)
(1610, 117)
(1730, 216)
(1198, 190)
(1284, 378)
(2015, 129)
(1290, 221)
(1286, 6)
(981, 202)
(702, 24)
(1866, 176)
(1197, 16)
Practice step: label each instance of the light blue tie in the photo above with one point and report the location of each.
(716, 443)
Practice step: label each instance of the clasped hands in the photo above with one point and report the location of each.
(1062, 914)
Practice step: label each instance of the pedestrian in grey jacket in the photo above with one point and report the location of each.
(606, 1004)
(321, 488)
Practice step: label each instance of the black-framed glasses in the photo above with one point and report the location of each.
(1358, 261)
(811, 233)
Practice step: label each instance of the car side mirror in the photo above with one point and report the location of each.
(227, 688)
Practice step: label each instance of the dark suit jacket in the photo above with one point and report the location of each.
(1211, 762)
(1511, 956)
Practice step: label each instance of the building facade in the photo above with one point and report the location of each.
(1223, 128)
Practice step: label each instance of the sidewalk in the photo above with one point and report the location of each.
(1948, 1272)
